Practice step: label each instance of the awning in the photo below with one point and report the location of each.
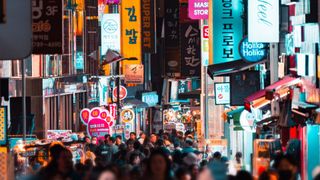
(135, 102)
(235, 116)
(224, 69)
(263, 97)
(195, 94)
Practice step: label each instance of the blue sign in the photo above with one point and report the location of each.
(252, 51)
(151, 98)
(227, 30)
(79, 60)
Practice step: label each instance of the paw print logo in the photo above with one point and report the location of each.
(99, 121)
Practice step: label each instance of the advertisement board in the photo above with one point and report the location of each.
(110, 33)
(148, 26)
(222, 93)
(205, 45)
(198, 9)
(3, 125)
(263, 17)
(226, 30)
(252, 51)
(134, 74)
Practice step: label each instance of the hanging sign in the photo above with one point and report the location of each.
(112, 1)
(205, 45)
(148, 26)
(3, 125)
(222, 93)
(198, 9)
(127, 116)
(227, 30)
(47, 26)
(252, 51)
(113, 110)
(99, 122)
(134, 73)
(131, 30)
(110, 33)
(151, 98)
(263, 21)
(123, 93)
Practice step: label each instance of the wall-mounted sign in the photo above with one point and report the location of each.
(289, 44)
(222, 93)
(123, 93)
(99, 122)
(134, 73)
(127, 115)
(110, 33)
(252, 51)
(3, 125)
(112, 1)
(226, 23)
(151, 98)
(113, 110)
(198, 9)
(131, 30)
(263, 21)
(47, 26)
(205, 45)
(59, 134)
(148, 26)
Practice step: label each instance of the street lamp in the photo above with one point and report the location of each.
(113, 56)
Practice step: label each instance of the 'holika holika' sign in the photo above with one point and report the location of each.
(252, 51)
(226, 24)
(99, 122)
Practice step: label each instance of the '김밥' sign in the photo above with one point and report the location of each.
(99, 121)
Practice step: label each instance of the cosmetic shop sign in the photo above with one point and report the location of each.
(99, 121)
(252, 51)
(198, 9)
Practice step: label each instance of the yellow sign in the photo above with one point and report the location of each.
(3, 124)
(127, 115)
(131, 31)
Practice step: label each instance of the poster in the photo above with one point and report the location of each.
(198, 9)
(110, 33)
(134, 74)
(99, 121)
(47, 26)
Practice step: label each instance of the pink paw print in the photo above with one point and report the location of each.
(99, 121)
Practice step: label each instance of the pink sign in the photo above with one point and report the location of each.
(198, 9)
(99, 121)
(112, 1)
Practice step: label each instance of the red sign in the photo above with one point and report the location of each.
(113, 110)
(205, 31)
(123, 93)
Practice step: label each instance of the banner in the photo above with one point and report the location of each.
(134, 74)
(110, 33)
(47, 26)
(171, 28)
(263, 16)
(190, 49)
(3, 125)
(148, 23)
(198, 9)
(226, 30)
(131, 31)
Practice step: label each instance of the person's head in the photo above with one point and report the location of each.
(242, 174)
(194, 169)
(130, 144)
(189, 143)
(142, 135)
(106, 137)
(159, 164)
(61, 157)
(287, 166)
(87, 139)
(133, 136)
(107, 174)
(134, 159)
(217, 155)
(118, 140)
(136, 145)
(153, 138)
(94, 140)
(174, 132)
(268, 175)
(160, 143)
(238, 157)
(111, 141)
(183, 174)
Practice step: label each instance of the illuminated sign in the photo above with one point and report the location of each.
(127, 115)
(252, 51)
(198, 9)
(110, 33)
(3, 125)
(151, 98)
(205, 45)
(226, 26)
(131, 31)
(263, 21)
(222, 93)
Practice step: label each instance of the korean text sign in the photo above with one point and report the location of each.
(198, 9)
(110, 33)
(222, 93)
(131, 30)
(47, 26)
(226, 31)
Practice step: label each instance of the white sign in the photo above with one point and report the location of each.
(222, 93)
(110, 33)
(263, 21)
(205, 45)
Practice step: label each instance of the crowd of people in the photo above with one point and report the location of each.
(160, 156)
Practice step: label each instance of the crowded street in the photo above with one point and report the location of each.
(159, 90)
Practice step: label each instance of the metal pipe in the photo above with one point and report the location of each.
(24, 120)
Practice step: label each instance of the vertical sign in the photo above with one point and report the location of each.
(205, 45)
(263, 16)
(47, 26)
(3, 125)
(222, 93)
(110, 33)
(190, 49)
(131, 30)
(171, 27)
(198, 9)
(148, 26)
(226, 30)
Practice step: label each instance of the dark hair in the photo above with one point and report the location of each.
(217, 155)
(130, 141)
(133, 133)
(132, 157)
(160, 142)
(189, 142)
(137, 145)
(119, 137)
(107, 136)
(56, 150)
(112, 139)
(159, 152)
(287, 157)
(242, 174)
(239, 154)
(181, 172)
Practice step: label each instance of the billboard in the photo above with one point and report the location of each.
(110, 33)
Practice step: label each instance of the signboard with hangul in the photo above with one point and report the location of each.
(47, 26)
(131, 30)
(148, 26)
(3, 125)
(190, 49)
(134, 74)
(226, 24)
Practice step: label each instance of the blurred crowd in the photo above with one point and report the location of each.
(160, 156)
